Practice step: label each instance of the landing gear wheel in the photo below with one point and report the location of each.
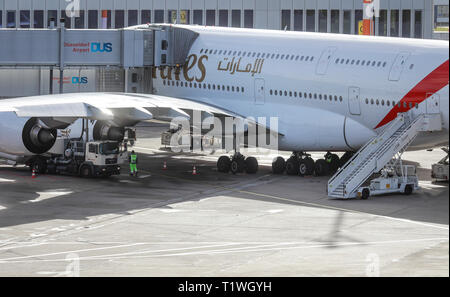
(85, 171)
(292, 166)
(365, 194)
(322, 168)
(224, 164)
(40, 165)
(251, 165)
(237, 164)
(278, 165)
(408, 190)
(335, 163)
(306, 166)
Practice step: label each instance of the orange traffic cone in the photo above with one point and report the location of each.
(165, 165)
(33, 173)
(194, 170)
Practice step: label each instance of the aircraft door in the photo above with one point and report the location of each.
(354, 103)
(260, 91)
(324, 62)
(433, 104)
(399, 65)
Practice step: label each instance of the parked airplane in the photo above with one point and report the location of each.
(330, 92)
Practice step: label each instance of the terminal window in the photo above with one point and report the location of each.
(223, 18)
(52, 15)
(132, 17)
(406, 23)
(298, 20)
(382, 24)
(25, 19)
(335, 17)
(92, 19)
(358, 19)
(248, 18)
(67, 19)
(285, 19)
(210, 17)
(418, 29)
(146, 16)
(323, 19)
(172, 16)
(347, 22)
(395, 25)
(120, 19)
(198, 17)
(79, 21)
(39, 19)
(11, 19)
(311, 20)
(236, 18)
(185, 17)
(159, 16)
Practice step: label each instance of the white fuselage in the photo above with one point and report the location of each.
(351, 83)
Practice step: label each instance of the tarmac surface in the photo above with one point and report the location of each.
(172, 223)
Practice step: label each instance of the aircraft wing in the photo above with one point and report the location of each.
(123, 109)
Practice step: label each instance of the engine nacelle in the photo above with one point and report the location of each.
(104, 131)
(24, 137)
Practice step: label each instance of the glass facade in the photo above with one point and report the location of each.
(286, 20)
(210, 17)
(311, 20)
(236, 18)
(383, 23)
(298, 20)
(335, 21)
(392, 22)
(395, 25)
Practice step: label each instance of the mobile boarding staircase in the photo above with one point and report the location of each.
(379, 152)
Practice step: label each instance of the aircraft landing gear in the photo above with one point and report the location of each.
(237, 164)
(298, 164)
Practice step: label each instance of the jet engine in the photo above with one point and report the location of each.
(24, 137)
(105, 131)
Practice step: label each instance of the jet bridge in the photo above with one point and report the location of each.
(134, 47)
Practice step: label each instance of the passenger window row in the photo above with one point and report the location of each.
(388, 103)
(354, 62)
(205, 86)
(306, 95)
(273, 56)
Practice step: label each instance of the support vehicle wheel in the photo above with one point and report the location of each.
(85, 171)
(408, 190)
(365, 194)
(322, 168)
(224, 164)
(40, 165)
(278, 165)
(237, 165)
(292, 166)
(251, 165)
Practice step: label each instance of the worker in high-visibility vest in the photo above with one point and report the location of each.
(133, 163)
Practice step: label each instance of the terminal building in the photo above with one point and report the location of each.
(398, 18)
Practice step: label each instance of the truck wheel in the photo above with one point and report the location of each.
(408, 190)
(365, 194)
(40, 165)
(85, 171)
